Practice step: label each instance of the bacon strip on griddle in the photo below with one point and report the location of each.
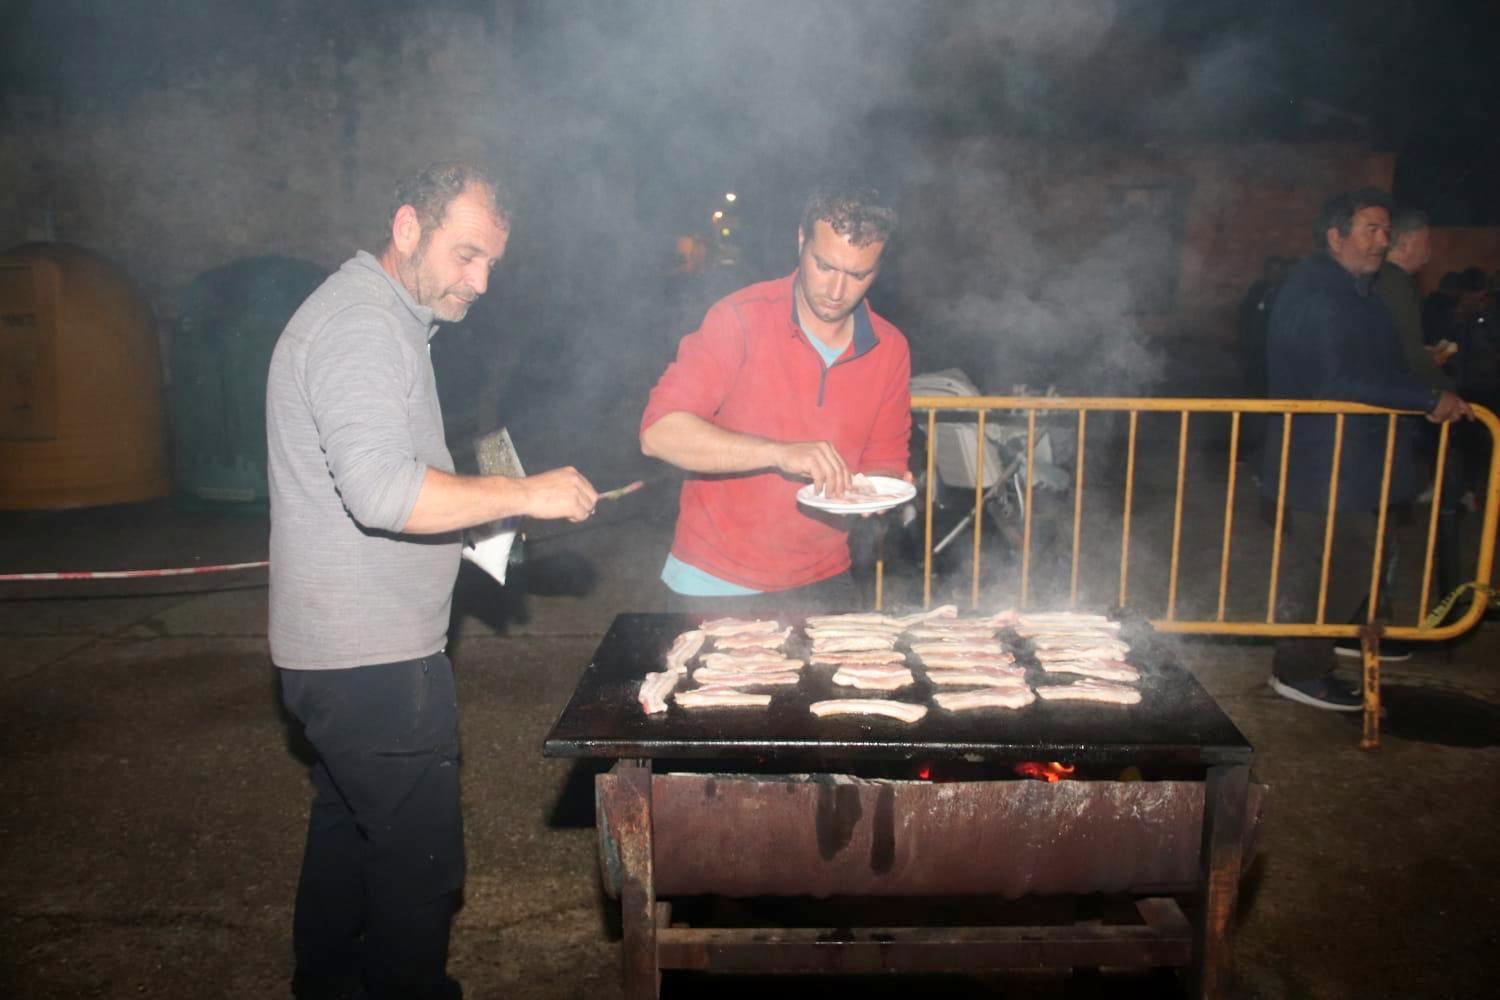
(966, 701)
(1105, 670)
(846, 677)
(851, 642)
(976, 678)
(859, 656)
(653, 691)
(954, 633)
(684, 648)
(728, 677)
(718, 627)
(717, 697)
(967, 648)
(1064, 620)
(905, 711)
(959, 660)
(753, 640)
(1089, 689)
(852, 619)
(752, 659)
(941, 611)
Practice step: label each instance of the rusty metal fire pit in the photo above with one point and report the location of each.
(778, 803)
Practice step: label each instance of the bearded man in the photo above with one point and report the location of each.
(365, 519)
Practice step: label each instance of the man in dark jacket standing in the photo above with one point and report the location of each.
(1331, 338)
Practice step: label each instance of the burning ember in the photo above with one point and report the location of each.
(1049, 771)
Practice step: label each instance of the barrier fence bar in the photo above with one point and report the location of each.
(1439, 465)
(1026, 514)
(1333, 507)
(1125, 525)
(1286, 448)
(1369, 634)
(1182, 442)
(1234, 460)
(979, 451)
(1078, 508)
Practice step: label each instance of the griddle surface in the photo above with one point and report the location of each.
(1176, 721)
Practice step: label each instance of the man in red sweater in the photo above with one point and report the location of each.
(785, 381)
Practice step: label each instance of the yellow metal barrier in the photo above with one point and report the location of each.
(1168, 621)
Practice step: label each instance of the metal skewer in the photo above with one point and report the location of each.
(615, 494)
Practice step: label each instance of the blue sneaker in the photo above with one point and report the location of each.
(1319, 692)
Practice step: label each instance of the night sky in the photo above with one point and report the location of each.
(1420, 79)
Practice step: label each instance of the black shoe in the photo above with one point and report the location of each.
(1319, 692)
(1391, 650)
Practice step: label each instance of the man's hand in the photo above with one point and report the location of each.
(818, 461)
(1449, 408)
(1442, 351)
(560, 493)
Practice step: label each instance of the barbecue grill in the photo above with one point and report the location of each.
(776, 802)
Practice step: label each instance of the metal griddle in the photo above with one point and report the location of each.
(1176, 722)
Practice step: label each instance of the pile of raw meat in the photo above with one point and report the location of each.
(966, 662)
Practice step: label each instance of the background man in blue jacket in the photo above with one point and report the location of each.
(1331, 338)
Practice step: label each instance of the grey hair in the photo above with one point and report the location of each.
(430, 191)
(1407, 220)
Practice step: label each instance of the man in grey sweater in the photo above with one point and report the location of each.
(365, 518)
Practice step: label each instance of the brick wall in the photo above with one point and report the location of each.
(1456, 248)
(291, 155)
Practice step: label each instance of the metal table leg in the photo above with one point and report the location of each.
(1224, 816)
(625, 798)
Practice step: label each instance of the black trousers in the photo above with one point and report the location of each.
(385, 851)
(835, 594)
(1348, 584)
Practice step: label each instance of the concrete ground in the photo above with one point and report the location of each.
(153, 802)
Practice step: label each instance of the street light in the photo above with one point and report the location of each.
(730, 196)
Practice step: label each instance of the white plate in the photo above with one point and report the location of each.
(900, 492)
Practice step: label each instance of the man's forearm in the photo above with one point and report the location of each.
(692, 443)
(450, 503)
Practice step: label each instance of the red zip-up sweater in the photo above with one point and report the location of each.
(749, 368)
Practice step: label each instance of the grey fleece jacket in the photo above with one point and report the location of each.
(352, 424)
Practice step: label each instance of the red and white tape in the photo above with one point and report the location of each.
(131, 574)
